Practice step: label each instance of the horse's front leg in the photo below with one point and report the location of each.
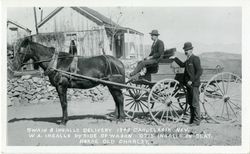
(118, 98)
(62, 93)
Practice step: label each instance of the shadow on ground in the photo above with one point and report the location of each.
(56, 120)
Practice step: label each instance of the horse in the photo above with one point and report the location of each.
(98, 67)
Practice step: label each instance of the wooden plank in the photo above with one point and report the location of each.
(158, 77)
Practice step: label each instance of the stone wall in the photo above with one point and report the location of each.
(32, 90)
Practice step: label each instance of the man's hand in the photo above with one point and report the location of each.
(172, 57)
(189, 83)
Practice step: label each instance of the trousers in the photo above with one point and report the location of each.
(193, 101)
(142, 64)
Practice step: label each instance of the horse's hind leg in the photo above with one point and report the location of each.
(62, 93)
(118, 98)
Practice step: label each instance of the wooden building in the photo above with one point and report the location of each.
(90, 32)
(15, 31)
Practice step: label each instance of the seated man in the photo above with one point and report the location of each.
(156, 51)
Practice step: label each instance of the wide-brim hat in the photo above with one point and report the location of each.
(187, 46)
(154, 32)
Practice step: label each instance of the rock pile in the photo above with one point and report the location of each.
(28, 89)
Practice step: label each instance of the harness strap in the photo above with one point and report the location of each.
(109, 65)
(52, 63)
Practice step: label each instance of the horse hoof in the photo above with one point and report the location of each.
(62, 124)
(120, 120)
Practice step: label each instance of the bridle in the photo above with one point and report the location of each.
(25, 55)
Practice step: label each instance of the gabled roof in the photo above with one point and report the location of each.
(87, 12)
(18, 25)
(100, 16)
(49, 16)
(91, 14)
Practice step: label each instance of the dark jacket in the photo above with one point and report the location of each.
(157, 49)
(193, 70)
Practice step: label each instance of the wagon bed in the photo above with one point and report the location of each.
(217, 92)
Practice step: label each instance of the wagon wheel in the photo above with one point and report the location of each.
(222, 98)
(135, 101)
(169, 99)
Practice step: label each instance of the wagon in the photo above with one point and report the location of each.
(159, 93)
(163, 95)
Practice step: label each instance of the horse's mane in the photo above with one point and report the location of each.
(46, 50)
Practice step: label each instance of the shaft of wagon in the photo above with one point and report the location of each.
(99, 80)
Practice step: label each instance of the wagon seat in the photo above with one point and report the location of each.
(152, 69)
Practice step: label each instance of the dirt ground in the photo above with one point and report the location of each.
(92, 124)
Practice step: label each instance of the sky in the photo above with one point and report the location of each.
(208, 28)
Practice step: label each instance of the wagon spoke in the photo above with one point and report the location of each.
(138, 106)
(227, 111)
(175, 93)
(157, 113)
(219, 87)
(174, 105)
(232, 110)
(235, 99)
(229, 80)
(142, 102)
(173, 89)
(175, 111)
(222, 109)
(211, 106)
(171, 114)
(129, 99)
(141, 107)
(135, 92)
(162, 115)
(130, 93)
(135, 106)
(223, 87)
(132, 106)
(234, 104)
(129, 103)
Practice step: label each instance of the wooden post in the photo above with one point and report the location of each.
(35, 19)
(41, 15)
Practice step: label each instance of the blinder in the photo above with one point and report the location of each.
(25, 53)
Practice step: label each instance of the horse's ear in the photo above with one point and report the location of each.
(26, 41)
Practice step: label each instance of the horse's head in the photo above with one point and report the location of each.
(22, 54)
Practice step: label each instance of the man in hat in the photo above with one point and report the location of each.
(157, 49)
(192, 74)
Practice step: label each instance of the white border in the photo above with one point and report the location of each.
(244, 4)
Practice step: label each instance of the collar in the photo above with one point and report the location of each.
(189, 56)
(155, 41)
